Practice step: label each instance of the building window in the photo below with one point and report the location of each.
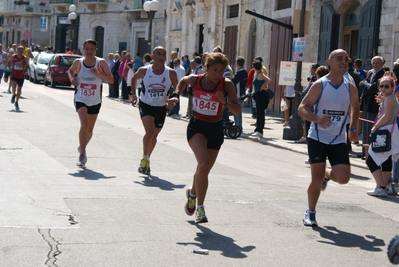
(232, 11)
(283, 4)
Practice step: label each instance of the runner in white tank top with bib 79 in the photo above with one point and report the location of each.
(333, 98)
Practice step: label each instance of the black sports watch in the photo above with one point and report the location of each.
(353, 130)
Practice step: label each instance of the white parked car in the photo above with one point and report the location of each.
(39, 66)
(28, 73)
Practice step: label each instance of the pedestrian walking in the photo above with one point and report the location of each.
(331, 96)
(87, 74)
(156, 80)
(211, 91)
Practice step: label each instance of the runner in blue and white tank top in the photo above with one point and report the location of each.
(334, 101)
(332, 97)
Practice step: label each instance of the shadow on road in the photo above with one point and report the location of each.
(358, 177)
(345, 239)
(90, 175)
(154, 181)
(212, 241)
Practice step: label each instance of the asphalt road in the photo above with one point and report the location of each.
(53, 213)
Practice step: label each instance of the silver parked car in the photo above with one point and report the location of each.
(28, 73)
(39, 66)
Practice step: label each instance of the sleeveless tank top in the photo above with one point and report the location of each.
(19, 67)
(257, 84)
(206, 106)
(334, 101)
(381, 111)
(154, 91)
(88, 90)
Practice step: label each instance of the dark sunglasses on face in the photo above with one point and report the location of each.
(385, 85)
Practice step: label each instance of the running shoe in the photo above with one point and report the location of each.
(378, 192)
(324, 185)
(189, 208)
(16, 106)
(310, 218)
(13, 99)
(82, 160)
(200, 216)
(144, 166)
(85, 160)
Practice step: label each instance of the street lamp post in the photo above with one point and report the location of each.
(295, 131)
(72, 17)
(150, 7)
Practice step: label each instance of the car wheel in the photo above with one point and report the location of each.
(52, 82)
(35, 78)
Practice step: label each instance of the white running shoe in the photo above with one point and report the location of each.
(378, 192)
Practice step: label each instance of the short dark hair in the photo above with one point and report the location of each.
(258, 58)
(358, 62)
(90, 41)
(198, 60)
(257, 65)
(240, 61)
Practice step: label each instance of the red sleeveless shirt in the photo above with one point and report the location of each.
(206, 106)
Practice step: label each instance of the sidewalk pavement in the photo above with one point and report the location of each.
(272, 134)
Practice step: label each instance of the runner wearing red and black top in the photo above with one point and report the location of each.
(205, 130)
(17, 64)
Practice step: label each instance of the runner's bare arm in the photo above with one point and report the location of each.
(186, 80)
(106, 74)
(233, 105)
(72, 71)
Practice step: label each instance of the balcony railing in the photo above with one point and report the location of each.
(62, 2)
(93, 1)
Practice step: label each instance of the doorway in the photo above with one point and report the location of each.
(351, 31)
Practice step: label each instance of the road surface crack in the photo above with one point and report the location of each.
(53, 244)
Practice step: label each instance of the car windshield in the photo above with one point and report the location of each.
(67, 61)
(45, 58)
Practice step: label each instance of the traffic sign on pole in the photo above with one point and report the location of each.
(26, 35)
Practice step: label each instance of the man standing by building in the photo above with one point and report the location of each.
(180, 72)
(157, 79)
(111, 63)
(369, 105)
(17, 64)
(332, 96)
(138, 62)
(121, 67)
(239, 80)
(173, 55)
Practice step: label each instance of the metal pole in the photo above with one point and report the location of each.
(294, 132)
(151, 16)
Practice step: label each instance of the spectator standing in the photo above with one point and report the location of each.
(369, 105)
(111, 63)
(125, 92)
(380, 164)
(239, 80)
(138, 62)
(186, 63)
(173, 55)
(180, 73)
(120, 71)
(114, 71)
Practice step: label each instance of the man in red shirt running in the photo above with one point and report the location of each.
(17, 64)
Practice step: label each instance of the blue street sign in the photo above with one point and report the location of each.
(43, 24)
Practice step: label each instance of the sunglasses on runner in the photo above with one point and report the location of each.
(385, 85)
